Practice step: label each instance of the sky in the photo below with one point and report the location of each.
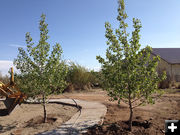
(78, 25)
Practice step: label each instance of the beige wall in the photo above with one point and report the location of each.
(176, 72)
(163, 65)
(173, 70)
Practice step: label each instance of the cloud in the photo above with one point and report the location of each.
(5, 65)
(17, 46)
(69, 61)
(96, 69)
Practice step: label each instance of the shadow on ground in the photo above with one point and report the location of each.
(7, 128)
(3, 112)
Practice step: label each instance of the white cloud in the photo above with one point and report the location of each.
(97, 69)
(69, 61)
(5, 65)
(17, 46)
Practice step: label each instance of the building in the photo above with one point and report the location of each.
(170, 62)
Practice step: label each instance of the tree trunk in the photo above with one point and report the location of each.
(44, 108)
(130, 117)
(131, 113)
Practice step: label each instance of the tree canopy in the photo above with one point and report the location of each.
(129, 72)
(40, 68)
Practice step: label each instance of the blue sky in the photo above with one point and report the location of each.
(78, 25)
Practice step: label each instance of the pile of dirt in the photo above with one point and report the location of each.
(40, 120)
(120, 128)
(28, 118)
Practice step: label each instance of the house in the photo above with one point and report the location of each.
(170, 62)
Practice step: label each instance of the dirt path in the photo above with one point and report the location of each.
(92, 95)
(91, 113)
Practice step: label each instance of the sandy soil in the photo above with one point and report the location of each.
(147, 120)
(27, 118)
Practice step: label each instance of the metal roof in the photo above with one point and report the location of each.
(171, 55)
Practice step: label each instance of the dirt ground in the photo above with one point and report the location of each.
(147, 120)
(27, 118)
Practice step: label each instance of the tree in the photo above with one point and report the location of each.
(129, 73)
(41, 69)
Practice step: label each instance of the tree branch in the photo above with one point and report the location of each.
(139, 104)
(126, 102)
(137, 99)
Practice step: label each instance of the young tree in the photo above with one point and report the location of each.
(41, 69)
(129, 73)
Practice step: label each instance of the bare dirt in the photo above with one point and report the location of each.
(147, 120)
(27, 119)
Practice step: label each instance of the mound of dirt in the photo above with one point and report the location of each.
(27, 119)
(39, 120)
(120, 128)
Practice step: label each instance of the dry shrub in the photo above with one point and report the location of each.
(70, 88)
(74, 87)
(79, 77)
